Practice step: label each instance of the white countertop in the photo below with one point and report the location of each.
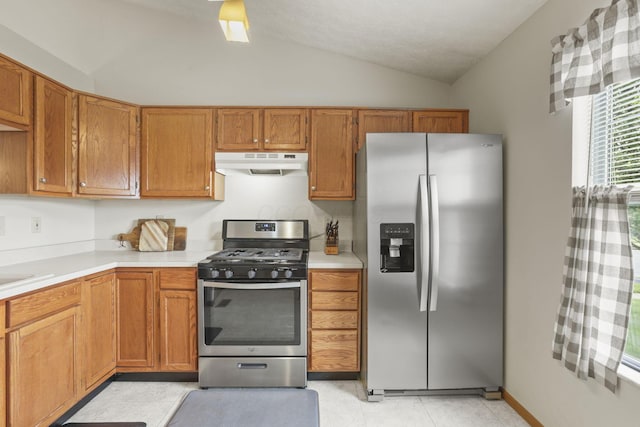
(51, 271)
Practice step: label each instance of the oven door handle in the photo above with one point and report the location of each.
(275, 285)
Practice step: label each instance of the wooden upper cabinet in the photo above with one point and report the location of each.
(238, 129)
(331, 156)
(177, 152)
(107, 152)
(53, 149)
(370, 121)
(255, 129)
(285, 129)
(16, 86)
(441, 121)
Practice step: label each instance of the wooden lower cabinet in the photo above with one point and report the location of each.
(3, 370)
(334, 320)
(178, 351)
(156, 320)
(44, 351)
(99, 323)
(135, 314)
(177, 318)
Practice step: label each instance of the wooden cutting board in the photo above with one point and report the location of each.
(153, 245)
(179, 242)
(154, 236)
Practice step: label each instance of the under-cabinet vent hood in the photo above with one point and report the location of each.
(262, 163)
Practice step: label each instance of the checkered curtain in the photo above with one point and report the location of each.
(604, 50)
(593, 315)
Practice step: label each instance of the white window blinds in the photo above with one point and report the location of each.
(615, 135)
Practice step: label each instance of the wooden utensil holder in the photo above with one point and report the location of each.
(331, 247)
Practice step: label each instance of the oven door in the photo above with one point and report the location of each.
(252, 319)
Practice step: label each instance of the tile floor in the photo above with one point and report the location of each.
(342, 404)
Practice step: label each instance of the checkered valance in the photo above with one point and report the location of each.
(604, 50)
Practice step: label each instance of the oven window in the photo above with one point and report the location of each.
(252, 316)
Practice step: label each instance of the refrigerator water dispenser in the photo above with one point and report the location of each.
(397, 247)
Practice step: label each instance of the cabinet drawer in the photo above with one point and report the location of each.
(334, 300)
(178, 278)
(40, 304)
(334, 351)
(334, 319)
(334, 280)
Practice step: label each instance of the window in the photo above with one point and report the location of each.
(615, 159)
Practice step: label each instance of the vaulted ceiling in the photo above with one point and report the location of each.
(436, 39)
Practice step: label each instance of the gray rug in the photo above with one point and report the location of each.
(247, 407)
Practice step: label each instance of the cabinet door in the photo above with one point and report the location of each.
(99, 328)
(43, 368)
(15, 93)
(334, 351)
(331, 175)
(134, 319)
(177, 154)
(441, 121)
(178, 348)
(381, 121)
(285, 129)
(239, 129)
(3, 369)
(52, 153)
(107, 149)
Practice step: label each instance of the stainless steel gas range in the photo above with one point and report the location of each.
(252, 306)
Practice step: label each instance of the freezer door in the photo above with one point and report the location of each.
(465, 326)
(396, 330)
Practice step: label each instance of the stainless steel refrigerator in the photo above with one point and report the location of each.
(428, 224)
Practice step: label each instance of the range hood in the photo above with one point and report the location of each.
(261, 163)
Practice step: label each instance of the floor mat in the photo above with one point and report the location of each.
(282, 407)
(119, 424)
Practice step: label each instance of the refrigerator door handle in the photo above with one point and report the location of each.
(435, 243)
(423, 284)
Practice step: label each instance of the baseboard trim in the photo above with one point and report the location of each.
(521, 410)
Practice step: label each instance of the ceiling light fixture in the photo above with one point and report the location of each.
(233, 20)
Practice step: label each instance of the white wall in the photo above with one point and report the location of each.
(508, 93)
(155, 58)
(193, 65)
(17, 47)
(67, 225)
(247, 197)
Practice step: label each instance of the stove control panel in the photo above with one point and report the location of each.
(241, 273)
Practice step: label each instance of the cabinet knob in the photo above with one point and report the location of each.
(313, 188)
(206, 187)
(266, 141)
(43, 180)
(83, 184)
(255, 141)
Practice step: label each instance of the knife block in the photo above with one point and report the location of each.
(331, 246)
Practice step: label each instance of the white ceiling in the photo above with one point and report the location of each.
(438, 39)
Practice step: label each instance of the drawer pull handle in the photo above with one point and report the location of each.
(252, 366)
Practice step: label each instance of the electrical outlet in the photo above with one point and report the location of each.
(36, 224)
(3, 229)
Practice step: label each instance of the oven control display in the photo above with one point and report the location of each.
(265, 226)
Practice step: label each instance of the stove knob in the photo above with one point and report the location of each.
(228, 274)
(214, 273)
(288, 274)
(274, 274)
(251, 274)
